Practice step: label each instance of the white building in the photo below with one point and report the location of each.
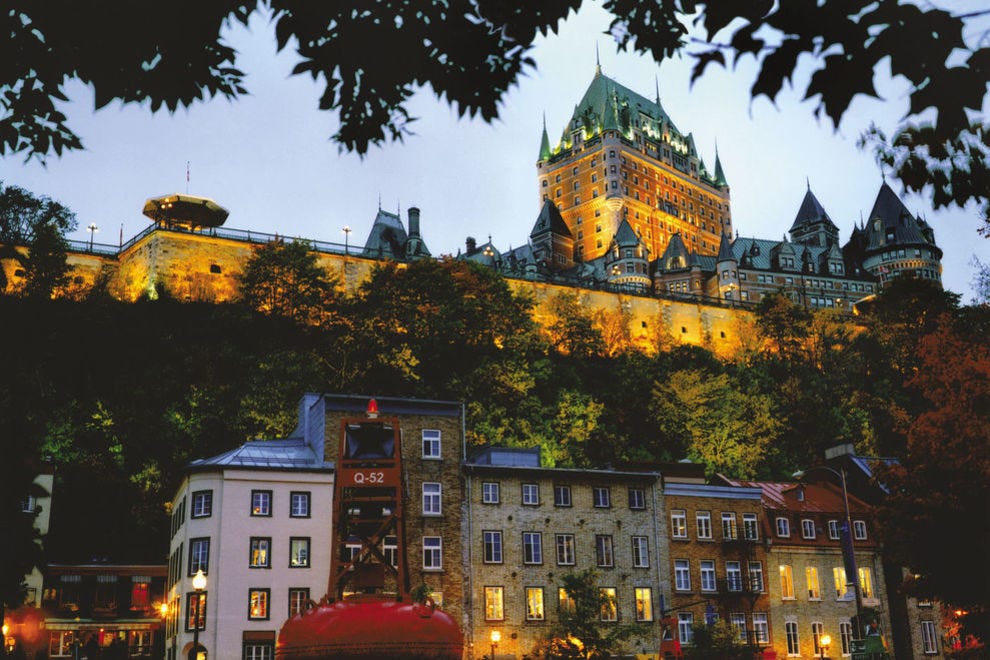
(257, 521)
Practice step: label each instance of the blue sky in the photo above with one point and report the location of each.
(267, 157)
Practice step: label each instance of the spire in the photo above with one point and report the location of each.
(544, 141)
(719, 173)
(725, 250)
(807, 180)
(598, 61)
(656, 80)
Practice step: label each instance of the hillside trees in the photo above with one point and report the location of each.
(38, 224)
(285, 279)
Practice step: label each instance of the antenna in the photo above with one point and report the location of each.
(187, 177)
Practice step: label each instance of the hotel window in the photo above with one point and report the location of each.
(299, 552)
(534, 604)
(733, 576)
(704, 520)
(678, 524)
(833, 529)
(494, 603)
(708, 575)
(729, 531)
(644, 603)
(603, 550)
(865, 582)
(859, 530)
(791, 632)
(738, 621)
(432, 553)
(431, 498)
(814, 589)
(929, 639)
(489, 492)
(783, 527)
(565, 549)
(258, 604)
(261, 503)
(298, 599)
(195, 602)
(786, 583)
(685, 627)
(299, 504)
(531, 494)
(261, 556)
(808, 528)
(751, 527)
(640, 552)
(761, 630)
(610, 607)
(602, 497)
(431, 443)
(199, 556)
(561, 495)
(493, 547)
(682, 575)
(565, 602)
(637, 498)
(202, 504)
(817, 629)
(532, 548)
(845, 636)
(258, 651)
(839, 576)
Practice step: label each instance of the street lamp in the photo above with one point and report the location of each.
(823, 643)
(199, 584)
(92, 230)
(346, 231)
(841, 473)
(496, 637)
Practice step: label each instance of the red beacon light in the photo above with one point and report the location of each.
(372, 409)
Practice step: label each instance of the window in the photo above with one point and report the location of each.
(839, 575)
(682, 575)
(808, 528)
(637, 498)
(756, 576)
(733, 576)
(298, 599)
(432, 553)
(678, 524)
(751, 527)
(704, 520)
(786, 583)
(729, 531)
(261, 556)
(685, 624)
(603, 550)
(202, 504)
(761, 630)
(644, 603)
(299, 552)
(707, 575)
(140, 596)
(783, 527)
(195, 604)
(845, 635)
(865, 582)
(199, 556)
(299, 504)
(532, 548)
(602, 497)
(561, 495)
(493, 547)
(494, 603)
(531, 494)
(489, 492)
(833, 529)
(859, 530)
(261, 503)
(390, 549)
(814, 590)
(817, 629)
(431, 498)
(640, 552)
(565, 602)
(928, 639)
(565, 549)
(610, 607)
(60, 643)
(791, 632)
(258, 604)
(534, 604)
(258, 651)
(431, 444)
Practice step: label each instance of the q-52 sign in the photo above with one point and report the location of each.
(370, 477)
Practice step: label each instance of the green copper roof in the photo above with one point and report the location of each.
(719, 174)
(544, 142)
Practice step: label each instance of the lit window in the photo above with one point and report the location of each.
(678, 524)
(865, 582)
(195, 604)
(603, 550)
(534, 604)
(562, 496)
(814, 590)
(839, 576)
(494, 603)
(729, 532)
(602, 497)
(565, 602)
(532, 548)
(644, 603)
(299, 552)
(298, 599)
(640, 552)
(751, 527)
(704, 521)
(431, 498)
(202, 504)
(786, 583)
(261, 552)
(565, 549)
(531, 494)
(431, 443)
(707, 575)
(261, 503)
(432, 553)
(682, 575)
(489, 492)
(609, 604)
(258, 604)
(493, 547)
(299, 504)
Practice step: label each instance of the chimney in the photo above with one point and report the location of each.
(413, 221)
(470, 245)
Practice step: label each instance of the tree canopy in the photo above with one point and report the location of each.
(284, 279)
(32, 236)
(470, 52)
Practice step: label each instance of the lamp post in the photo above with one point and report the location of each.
(92, 228)
(199, 584)
(346, 231)
(495, 637)
(823, 643)
(851, 561)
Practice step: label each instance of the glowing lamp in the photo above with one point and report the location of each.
(199, 581)
(372, 408)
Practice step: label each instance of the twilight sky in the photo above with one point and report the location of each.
(268, 160)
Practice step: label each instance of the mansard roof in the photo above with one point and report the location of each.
(811, 212)
(387, 238)
(550, 220)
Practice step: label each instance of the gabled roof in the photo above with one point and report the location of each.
(290, 454)
(606, 104)
(550, 220)
(811, 212)
(822, 497)
(387, 238)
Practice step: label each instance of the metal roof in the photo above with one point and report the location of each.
(290, 454)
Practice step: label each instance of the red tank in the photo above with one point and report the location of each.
(370, 626)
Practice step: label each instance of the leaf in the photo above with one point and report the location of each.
(777, 67)
(703, 60)
(841, 79)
